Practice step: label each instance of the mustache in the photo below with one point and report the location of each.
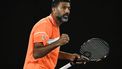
(67, 14)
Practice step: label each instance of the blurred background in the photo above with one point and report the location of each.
(88, 19)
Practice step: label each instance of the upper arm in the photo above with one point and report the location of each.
(41, 34)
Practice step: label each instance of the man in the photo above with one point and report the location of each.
(45, 40)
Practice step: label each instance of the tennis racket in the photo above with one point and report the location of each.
(94, 49)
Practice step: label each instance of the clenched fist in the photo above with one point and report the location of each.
(64, 39)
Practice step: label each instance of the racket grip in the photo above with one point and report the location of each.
(66, 66)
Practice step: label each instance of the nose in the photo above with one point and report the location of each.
(67, 10)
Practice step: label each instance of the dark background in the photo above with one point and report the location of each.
(89, 18)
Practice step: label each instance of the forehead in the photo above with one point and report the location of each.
(66, 4)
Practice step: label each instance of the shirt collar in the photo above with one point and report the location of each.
(52, 20)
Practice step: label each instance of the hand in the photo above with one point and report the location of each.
(76, 59)
(64, 39)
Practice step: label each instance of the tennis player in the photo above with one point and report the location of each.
(45, 39)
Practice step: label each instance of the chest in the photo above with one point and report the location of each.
(55, 32)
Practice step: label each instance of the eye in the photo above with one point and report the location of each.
(65, 7)
(69, 8)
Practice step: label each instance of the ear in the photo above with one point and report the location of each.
(53, 9)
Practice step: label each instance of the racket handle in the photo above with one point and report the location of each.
(66, 66)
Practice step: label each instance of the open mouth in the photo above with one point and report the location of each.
(66, 16)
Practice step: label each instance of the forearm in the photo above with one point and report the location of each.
(73, 58)
(65, 55)
(44, 50)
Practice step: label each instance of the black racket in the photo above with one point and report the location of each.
(94, 49)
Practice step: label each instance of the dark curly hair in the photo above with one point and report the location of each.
(56, 2)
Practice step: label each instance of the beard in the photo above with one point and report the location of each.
(63, 18)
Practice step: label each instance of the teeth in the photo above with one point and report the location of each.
(65, 16)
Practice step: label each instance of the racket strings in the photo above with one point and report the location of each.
(97, 47)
